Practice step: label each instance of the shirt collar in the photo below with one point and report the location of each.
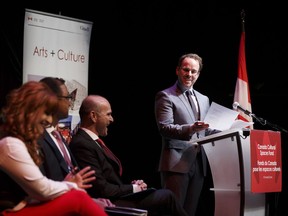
(90, 133)
(183, 88)
(50, 129)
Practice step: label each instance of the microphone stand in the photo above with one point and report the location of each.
(265, 122)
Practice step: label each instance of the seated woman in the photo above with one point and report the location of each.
(23, 188)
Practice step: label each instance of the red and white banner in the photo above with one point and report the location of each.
(266, 164)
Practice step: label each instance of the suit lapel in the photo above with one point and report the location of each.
(85, 136)
(49, 141)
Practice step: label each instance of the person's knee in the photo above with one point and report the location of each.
(166, 195)
(76, 197)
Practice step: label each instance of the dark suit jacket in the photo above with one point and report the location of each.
(108, 183)
(174, 116)
(54, 166)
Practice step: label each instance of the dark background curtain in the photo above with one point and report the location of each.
(133, 53)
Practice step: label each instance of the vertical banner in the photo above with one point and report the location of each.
(58, 46)
(266, 165)
(242, 92)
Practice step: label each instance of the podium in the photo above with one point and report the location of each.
(228, 153)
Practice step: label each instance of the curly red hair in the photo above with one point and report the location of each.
(24, 107)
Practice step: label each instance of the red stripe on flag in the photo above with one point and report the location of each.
(242, 93)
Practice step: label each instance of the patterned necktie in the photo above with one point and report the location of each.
(67, 159)
(110, 154)
(192, 104)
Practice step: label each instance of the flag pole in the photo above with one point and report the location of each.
(243, 19)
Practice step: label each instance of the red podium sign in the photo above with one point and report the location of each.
(266, 165)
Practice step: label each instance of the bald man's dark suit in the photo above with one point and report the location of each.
(108, 183)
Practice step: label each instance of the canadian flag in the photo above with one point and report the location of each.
(242, 93)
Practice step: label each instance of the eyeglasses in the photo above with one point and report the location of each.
(187, 70)
(70, 97)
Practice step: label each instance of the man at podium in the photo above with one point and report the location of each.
(179, 112)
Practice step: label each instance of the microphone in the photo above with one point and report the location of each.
(236, 106)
